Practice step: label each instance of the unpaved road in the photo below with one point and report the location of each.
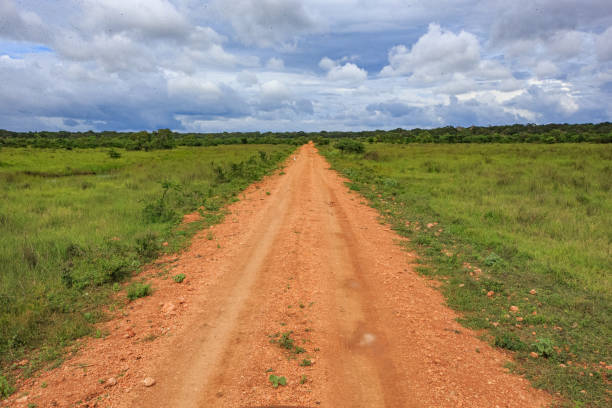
(311, 258)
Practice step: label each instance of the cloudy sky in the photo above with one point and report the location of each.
(226, 65)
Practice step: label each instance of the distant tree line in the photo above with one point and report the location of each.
(166, 139)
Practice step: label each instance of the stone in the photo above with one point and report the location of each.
(533, 354)
(148, 382)
(514, 308)
(168, 308)
(490, 293)
(533, 291)
(111, 382)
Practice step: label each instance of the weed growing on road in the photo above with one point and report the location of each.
(285, 341)
(303, 379)
(276, 380)
(149, 338)
(305, 363)
(179, 278)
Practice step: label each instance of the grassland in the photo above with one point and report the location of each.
(494, 223)
(74, 223)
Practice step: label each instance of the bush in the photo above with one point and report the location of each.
(350, 146)
(138, 290)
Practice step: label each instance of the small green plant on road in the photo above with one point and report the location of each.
(276, 380)
(179, 278)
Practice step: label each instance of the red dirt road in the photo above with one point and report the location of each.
(310, 258)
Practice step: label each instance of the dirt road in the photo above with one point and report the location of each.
(299, 253)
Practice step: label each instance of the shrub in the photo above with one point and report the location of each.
(113, 154)
(138, 289)
(350, 146)
(544, 347)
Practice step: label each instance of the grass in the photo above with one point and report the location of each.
(74, 224)
(138, 290)
(305, 362)
(6, 388)
(528, 226)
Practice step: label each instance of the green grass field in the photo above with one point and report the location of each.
(510, 218)
(75, 223)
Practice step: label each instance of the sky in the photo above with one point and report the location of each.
(311, 65)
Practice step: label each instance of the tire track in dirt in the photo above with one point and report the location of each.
(188, 370)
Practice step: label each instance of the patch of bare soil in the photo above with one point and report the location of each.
(308, 267)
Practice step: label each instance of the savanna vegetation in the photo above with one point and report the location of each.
(166, 139)
(521, 238)
(76, 224)
(511, 208)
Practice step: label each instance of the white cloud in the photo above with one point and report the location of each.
(337, 72)
(546, 69)
(347, 72)
(437, 53)
(273, 94)
(275, 64)
(152, 18)
(566, 43)
(267, 23)
(21, 25)
(247, 79)
(116, 52)
(604, 45)
(327, 64)
(193, 87)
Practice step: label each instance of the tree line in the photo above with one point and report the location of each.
(167, 139)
